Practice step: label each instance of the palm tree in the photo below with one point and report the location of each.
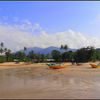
(65, 47)
(5, 49)
(2, 44)
(25, 48)
(9, 50)
(61, 47)
(7, 53)
(1, 49)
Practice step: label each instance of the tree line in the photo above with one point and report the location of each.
(84, 54)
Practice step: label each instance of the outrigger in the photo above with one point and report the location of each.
(56, 66)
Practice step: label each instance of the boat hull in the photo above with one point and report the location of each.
(56, 67)
(94, 66)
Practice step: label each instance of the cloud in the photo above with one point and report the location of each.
(15, 37)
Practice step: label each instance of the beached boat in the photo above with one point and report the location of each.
(95, 66)
(56, 66)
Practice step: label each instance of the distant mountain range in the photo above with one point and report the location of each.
(47, 50)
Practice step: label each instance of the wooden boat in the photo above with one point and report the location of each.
(56, 66)
(95, 66)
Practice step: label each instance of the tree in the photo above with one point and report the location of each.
(64, 56)
(5, 49)
(65, 47)
(25, 48)
(93, 54)
(31, 55)
(8, 54)
(67, 56)
(1, 47)
(85, 54)
(56, 55)
(1, 50)
(62, 47)
(2, 44)
(20, 56)
(98, 54)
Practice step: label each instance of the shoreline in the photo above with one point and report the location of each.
(9, 65)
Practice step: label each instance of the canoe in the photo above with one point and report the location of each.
(56, 67)
(94, 66)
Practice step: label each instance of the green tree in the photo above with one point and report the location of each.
(2, 44)
(65, 47)
(5, 49)
(20, 56)
(85, 54)
(56, 55)
(93, 55)
(1, 50)
(8, 55)
(1, 47)
(98, 54)
(31, 55)
(62, 47)
(64, 56)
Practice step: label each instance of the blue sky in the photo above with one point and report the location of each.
(52, 16)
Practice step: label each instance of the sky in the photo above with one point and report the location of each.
(49, 23)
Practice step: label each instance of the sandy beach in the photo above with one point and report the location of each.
(39, 81)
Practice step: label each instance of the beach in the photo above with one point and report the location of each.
(38, 81)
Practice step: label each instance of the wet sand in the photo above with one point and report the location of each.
(38, 81)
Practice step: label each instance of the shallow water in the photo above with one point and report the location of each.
(46, 83)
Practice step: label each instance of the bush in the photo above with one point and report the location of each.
(2, 59)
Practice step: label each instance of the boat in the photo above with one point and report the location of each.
(56, 66)
(95, 66)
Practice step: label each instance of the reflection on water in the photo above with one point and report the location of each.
(26, 83)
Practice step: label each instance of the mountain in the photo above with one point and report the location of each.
(47, 50)
(98, 49)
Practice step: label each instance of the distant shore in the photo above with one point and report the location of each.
(8, 65)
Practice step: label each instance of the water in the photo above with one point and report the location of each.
(45, 83)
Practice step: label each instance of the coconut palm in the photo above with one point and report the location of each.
(7, 53)
(2, 44)
(5, 49)
(65, 47)
(25, 48)
(61, 47)
(1, 49)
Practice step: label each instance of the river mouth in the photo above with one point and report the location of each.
(42, 82)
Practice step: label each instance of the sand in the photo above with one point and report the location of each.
(38, 81)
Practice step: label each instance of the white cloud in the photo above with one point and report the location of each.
(15, 38)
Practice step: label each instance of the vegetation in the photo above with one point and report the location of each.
(64, 47)
(84, 54)
(56, 55)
